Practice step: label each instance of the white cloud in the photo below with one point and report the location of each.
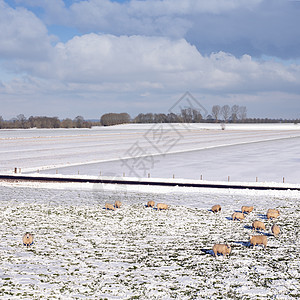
(131, 67)
(22, 34)
(134, 62)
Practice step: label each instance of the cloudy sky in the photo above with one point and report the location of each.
(68, 58)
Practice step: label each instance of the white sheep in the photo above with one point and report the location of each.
(275, 230)
(109, 206)
(161, 206)
(258, 240)
(258, 225)
(150, 203)
(224, 249)
(247, 209)
(216, 208)
(238, 216)
(27, 239)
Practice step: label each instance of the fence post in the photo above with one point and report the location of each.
(228, 178)
(256, 179)
(283, 179)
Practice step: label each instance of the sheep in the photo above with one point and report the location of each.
(224, 249)
(109, 206)
(238, 216)
(118, 204)
(150, 203)
(258, 240)
(216, 208)
(272, 214)
(247, 209)
(275, 230)
(258, 225)
(161, 206)
(27, 239)
(273, 210)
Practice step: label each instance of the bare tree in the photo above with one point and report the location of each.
(234, 113)
(242, 113)
(215, 111)
(21, 119)
(225, 112)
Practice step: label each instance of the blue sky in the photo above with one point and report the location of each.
(69, 58)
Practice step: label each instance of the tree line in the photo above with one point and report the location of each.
(45, 122)
(219, 114)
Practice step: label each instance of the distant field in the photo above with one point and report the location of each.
(244, 152)
(83, 251)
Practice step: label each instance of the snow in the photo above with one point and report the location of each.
(242, 152)
(82, 251)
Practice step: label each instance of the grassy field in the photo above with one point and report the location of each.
(135, 252)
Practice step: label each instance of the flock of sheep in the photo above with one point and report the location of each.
(223, 249)
(28, 237)
(118, 204)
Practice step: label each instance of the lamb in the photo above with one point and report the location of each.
(258, 225)
(275, 230)
(161, 206)
(216, 208)
(150, 203)
(118, 204)
(27, 239)
(247, 209)
(258, 240)
(109, 206)
(238, 216)
(224, 249)
(272, 214)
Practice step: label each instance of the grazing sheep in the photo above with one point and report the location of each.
(258, 225)
(118, 204)
(238, 216)
(272, 215)
(275, 230)
(216, 208)
(109, 206)
(273, 210)
(258, 240)
(247, 209)
(27, 239)
(224, 249)
(150, 203)
(161, 206)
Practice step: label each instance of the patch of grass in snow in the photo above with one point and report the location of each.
(83, 250)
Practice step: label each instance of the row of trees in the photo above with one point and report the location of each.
(46, 122)
(188, 115)
(225, 113)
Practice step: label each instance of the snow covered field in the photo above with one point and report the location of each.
(82, 251)
(267, 152)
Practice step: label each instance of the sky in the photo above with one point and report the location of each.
(69, 58)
